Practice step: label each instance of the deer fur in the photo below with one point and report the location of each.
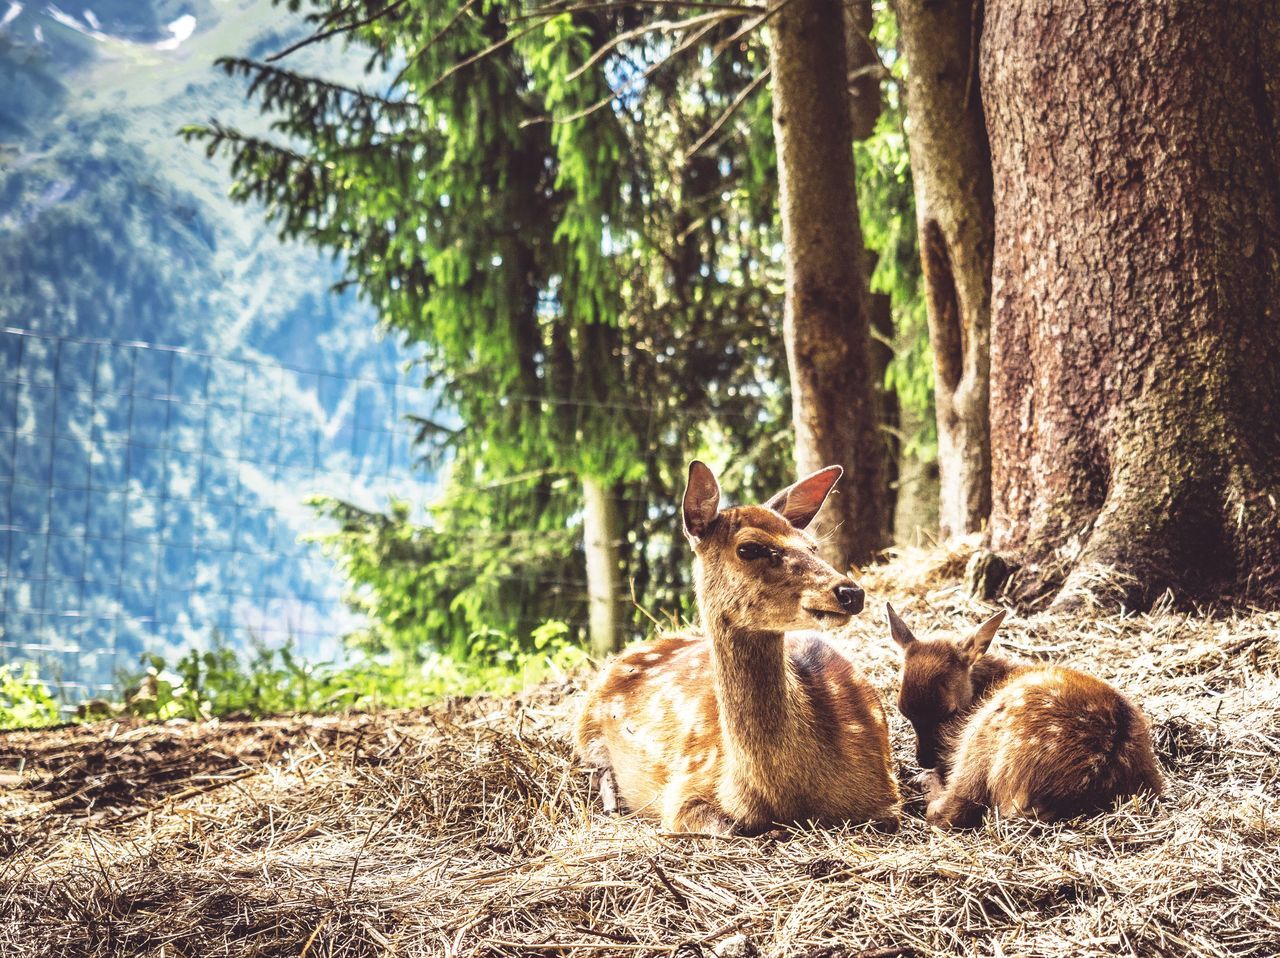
(1029, 740)
(746, 723)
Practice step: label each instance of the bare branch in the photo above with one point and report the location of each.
(660, 26)
(720, 48)
(746, 28)
(871, 69)
(553, 9)
(488, 51)
(732, 108)
(439, 34)
(333, 31)
(877, 65)
(462, 10)
(629, 85)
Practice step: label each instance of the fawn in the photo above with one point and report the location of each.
(743, 726)
(1029, 740)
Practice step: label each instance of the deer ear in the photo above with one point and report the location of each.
(800, 502)
(897, 628)
(978, 641)
(701, 500)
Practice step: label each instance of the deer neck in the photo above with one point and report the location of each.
(989, 673)
(987, 676)
(754, 687)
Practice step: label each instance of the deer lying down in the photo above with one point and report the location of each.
(746, 723)
(1029, 740)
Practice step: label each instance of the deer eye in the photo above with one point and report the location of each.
(750, 551)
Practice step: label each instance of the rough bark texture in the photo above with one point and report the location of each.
(864, 72)
(825, 320)
(1135, 397)
(601, 531)
(951, 167)
(862, 67)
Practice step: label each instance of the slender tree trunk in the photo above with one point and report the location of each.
(825, 319)
(951, 168)
(1135, 397)
(864, 74)
(863, 67)
(601, 530)
(889, 415)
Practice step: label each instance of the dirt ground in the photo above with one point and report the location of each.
(468, 828)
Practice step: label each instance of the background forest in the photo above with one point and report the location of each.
(609, 238)
(563, 395)
(574, 214)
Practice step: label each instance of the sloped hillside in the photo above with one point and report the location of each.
(116, 236)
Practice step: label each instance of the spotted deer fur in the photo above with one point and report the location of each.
(746, 723)
(1029, 740)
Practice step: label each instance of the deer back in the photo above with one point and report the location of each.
(1054, 743)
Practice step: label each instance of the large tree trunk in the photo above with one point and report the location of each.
(825, 320)
(951, 168)
(1135, 399)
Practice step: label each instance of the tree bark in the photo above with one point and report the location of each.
(864, 73)
(825, 321)
(862, 67)
(889, 410)
(601, 530)
(951, 169)
(1135, 399)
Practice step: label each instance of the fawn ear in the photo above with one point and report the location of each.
(800, 502)
(978, 641)
(701, 500)
(897, 628)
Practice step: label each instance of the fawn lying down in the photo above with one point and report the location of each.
(1029, 740)
(740, 726)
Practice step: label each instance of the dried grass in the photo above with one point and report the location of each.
(468, 829)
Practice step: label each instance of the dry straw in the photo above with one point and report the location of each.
(468, 829)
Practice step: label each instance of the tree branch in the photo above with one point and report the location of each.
(488, 51)
(729, 111)
(661, 26)
(552, 9)
(629, 85)
(333, 31)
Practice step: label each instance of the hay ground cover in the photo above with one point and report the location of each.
(468, 828)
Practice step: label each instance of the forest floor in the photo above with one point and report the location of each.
(468, 828)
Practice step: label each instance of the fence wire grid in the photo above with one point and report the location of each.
(152, 497)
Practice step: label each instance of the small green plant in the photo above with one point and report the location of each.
(260, 680)
(25, 701)
(502, 663)
(265, 681)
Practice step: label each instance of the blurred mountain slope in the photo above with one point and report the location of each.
(186, 470)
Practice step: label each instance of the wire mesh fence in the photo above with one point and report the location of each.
(152, 497)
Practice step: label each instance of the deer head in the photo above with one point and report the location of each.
(755, 567)
(937, 684)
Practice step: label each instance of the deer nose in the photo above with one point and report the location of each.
(850, 598)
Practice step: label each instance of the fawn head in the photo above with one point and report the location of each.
(755, 566)
(936, 680)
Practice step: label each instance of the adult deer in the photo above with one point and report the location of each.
(746, 724)
(1028, 739)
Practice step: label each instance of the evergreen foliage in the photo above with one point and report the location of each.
(573, 213)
